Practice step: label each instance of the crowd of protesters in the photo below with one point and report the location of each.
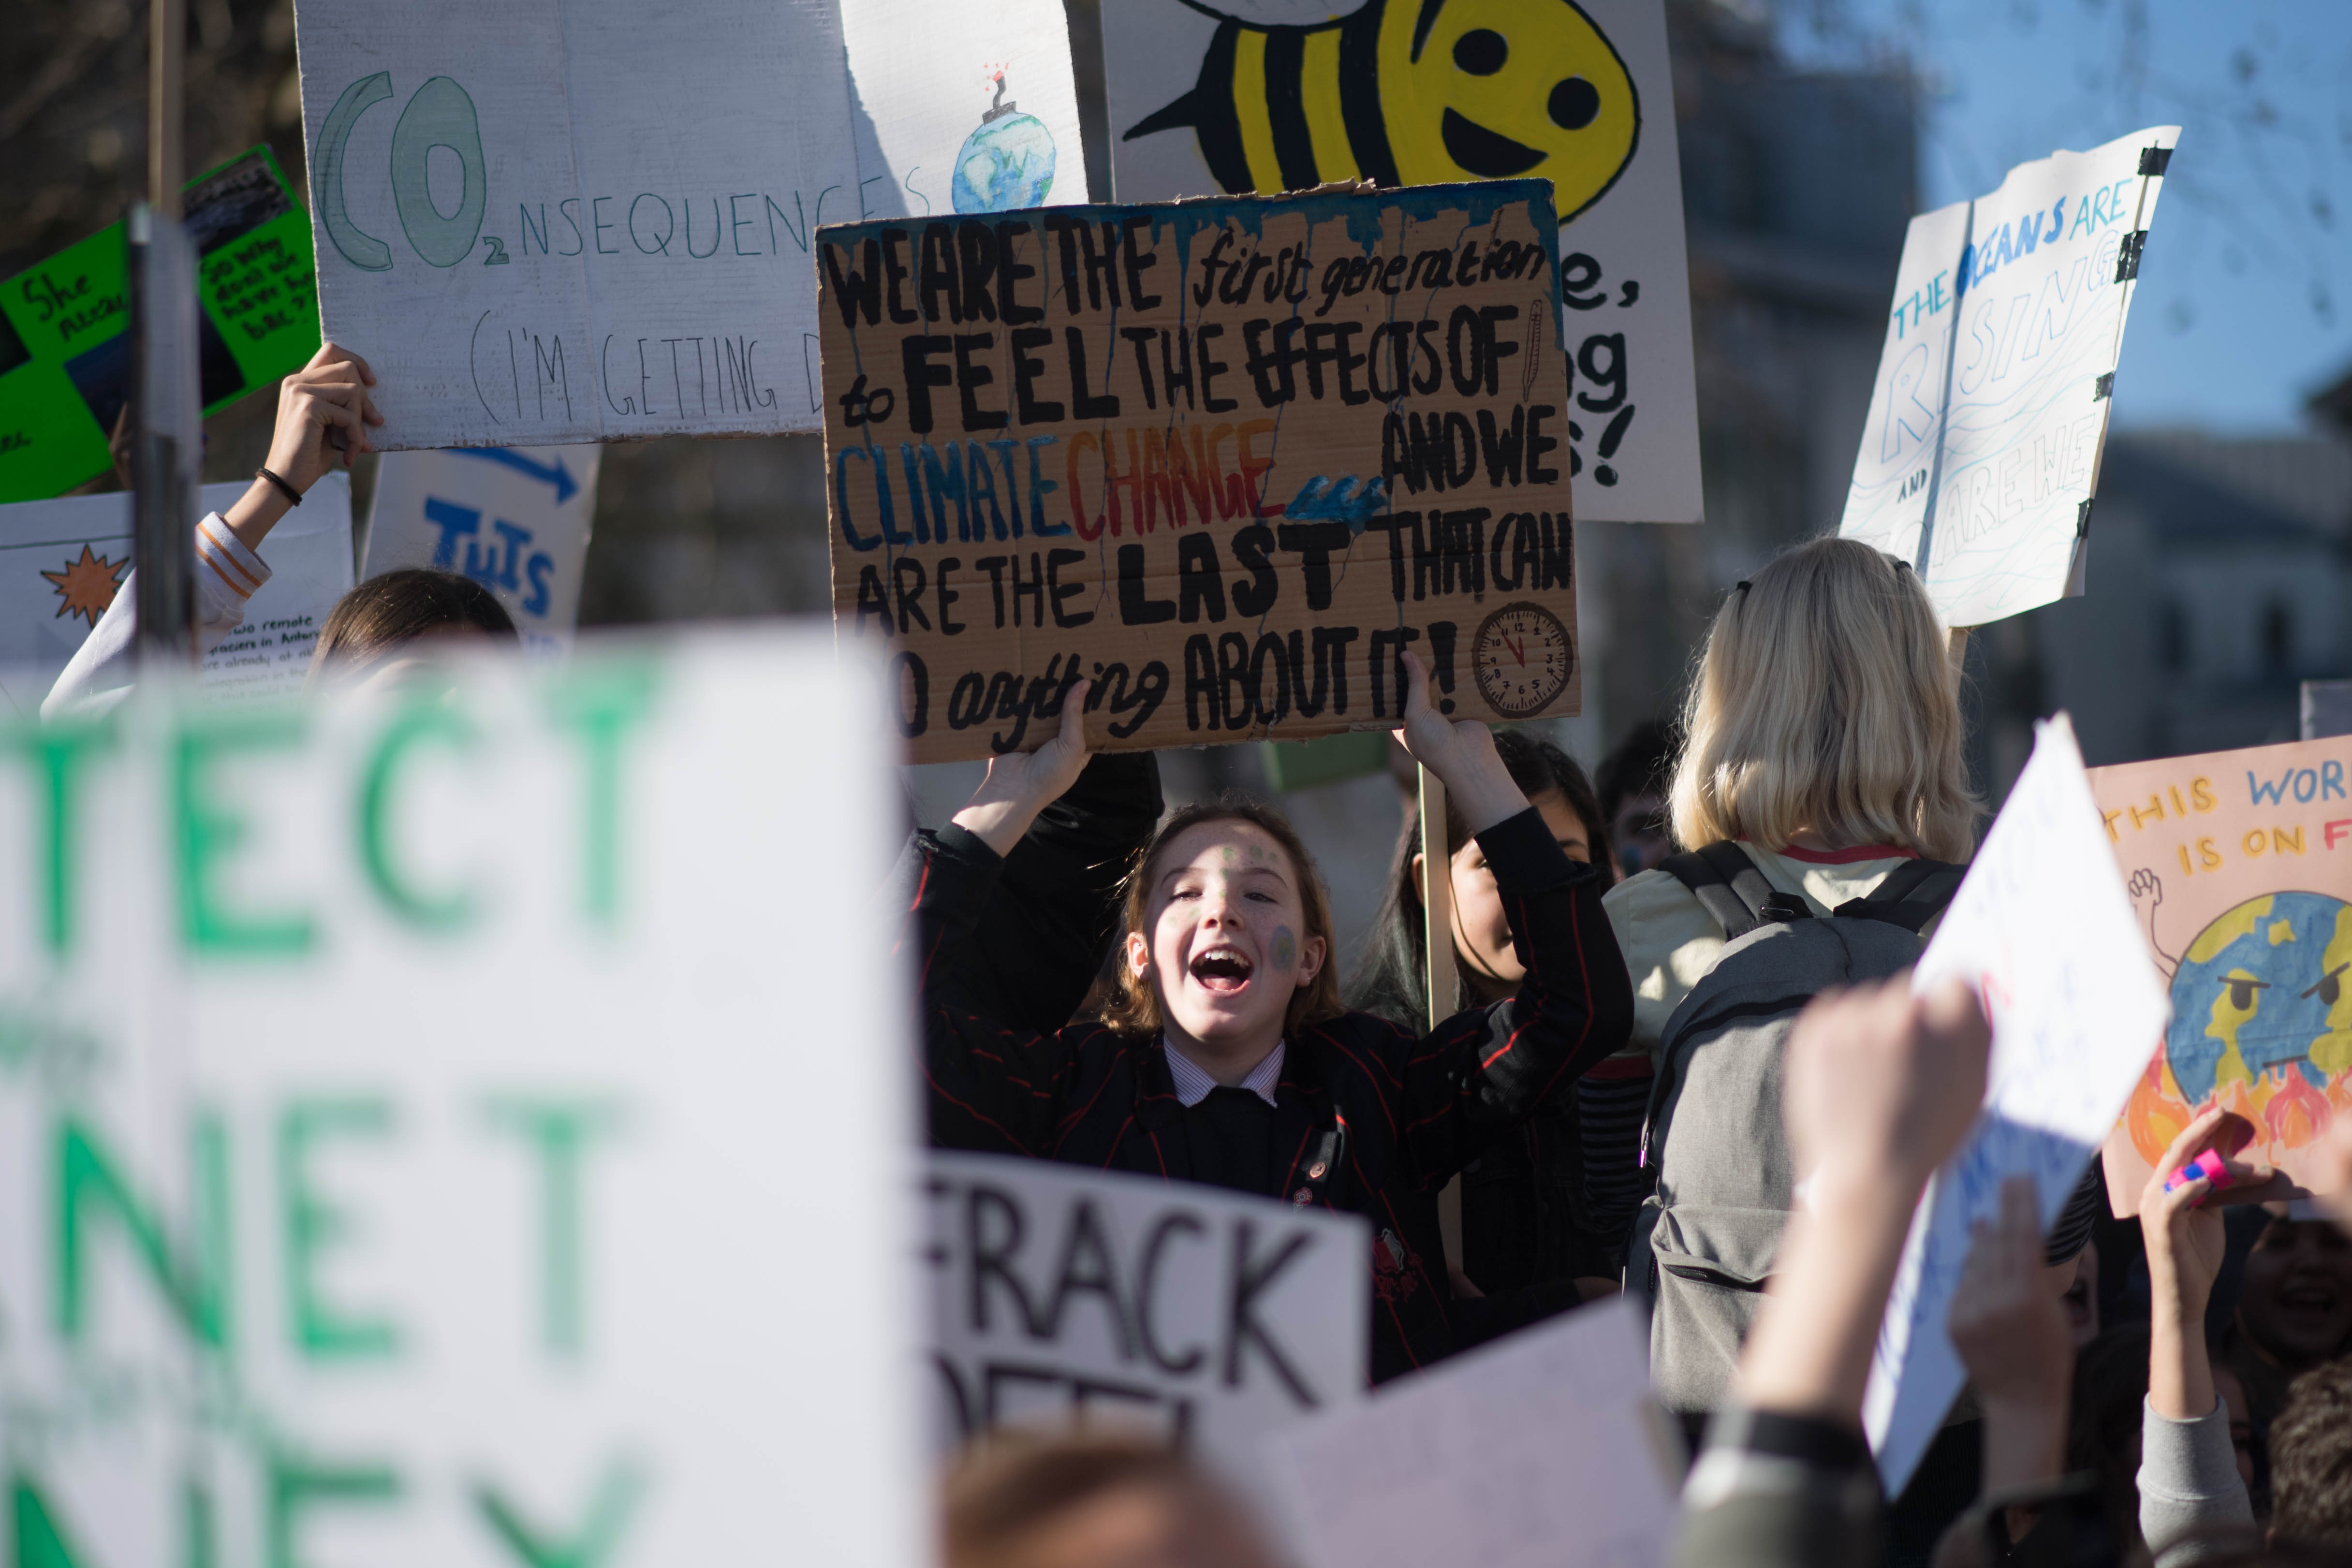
(1105, 982)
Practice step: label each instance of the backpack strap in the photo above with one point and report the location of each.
(1728, 887)
(1912, 895)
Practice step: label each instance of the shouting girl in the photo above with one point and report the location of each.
(1226, 1056)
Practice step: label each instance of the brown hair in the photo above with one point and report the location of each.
(394, 609)
(2311, 1459)
(1002, 1491)
(1134, 1006)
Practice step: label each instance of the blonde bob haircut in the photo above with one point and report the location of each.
(1826, 700)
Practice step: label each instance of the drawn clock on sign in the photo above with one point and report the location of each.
(1522, 658)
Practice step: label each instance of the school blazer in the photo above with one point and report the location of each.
(1377, 1120)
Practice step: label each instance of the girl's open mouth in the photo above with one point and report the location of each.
(1223, 970)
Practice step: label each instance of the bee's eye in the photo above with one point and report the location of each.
(2241, 994)
(2331, 989)
(1481, 51)
(1575, 103)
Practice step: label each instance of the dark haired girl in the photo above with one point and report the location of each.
(1546, 1207)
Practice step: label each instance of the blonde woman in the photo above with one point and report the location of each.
(1823, 737)
(1820, 777)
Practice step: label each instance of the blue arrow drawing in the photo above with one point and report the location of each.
(554, 473)
(1339, 501)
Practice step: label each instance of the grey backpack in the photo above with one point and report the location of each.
(1702, 1243)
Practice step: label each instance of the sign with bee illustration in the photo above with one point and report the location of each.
(2238, 864)
(1210, 95)
(1229, 460)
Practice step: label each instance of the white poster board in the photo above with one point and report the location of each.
(397, 1162)
(1232, 96)
(1064, 1296)
(972, 106)
(551, 224)
(2044, 930)
(515, 519)
(1543, 1450)
(62, 561)
(1981, 452)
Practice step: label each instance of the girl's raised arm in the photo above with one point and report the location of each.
(1021, 784)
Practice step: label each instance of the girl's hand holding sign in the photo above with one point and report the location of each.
(1460, 752)
(1020, 784)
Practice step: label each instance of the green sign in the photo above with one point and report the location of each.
(1326, 759)
(65, 339)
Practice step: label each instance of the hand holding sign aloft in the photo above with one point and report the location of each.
(323, 411)
(1020, 784)
(1460, 752)
(2181, 1221)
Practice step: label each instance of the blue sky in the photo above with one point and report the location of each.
(2246, 298)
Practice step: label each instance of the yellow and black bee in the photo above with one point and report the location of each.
(1414, 92)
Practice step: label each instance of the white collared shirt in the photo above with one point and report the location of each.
(1194, 1083)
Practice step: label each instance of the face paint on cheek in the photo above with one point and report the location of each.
(1285, 948)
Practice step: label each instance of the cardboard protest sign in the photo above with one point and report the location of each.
(1981, 452)
(1062, 1296)
(397, 1161)
(2042, 929)
(2238, 864)
(514, 519)
(65, 357)
(519, 230)
(1543, 1448)
(1228, 97)
(1230, 459)
(62, 562)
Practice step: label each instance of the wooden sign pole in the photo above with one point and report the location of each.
(1437, 905)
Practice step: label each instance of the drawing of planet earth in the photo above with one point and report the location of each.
(1007, 162)
(2264, 989)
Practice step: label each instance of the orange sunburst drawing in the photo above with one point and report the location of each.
(86, 586)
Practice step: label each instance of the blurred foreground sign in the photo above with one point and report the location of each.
(1542, 1448)
(1064, 1296)
(2041, 931)
(399, 1158)
(1229, 459)
(1981, 453)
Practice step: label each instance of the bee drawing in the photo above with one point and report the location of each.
(1413, 92)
